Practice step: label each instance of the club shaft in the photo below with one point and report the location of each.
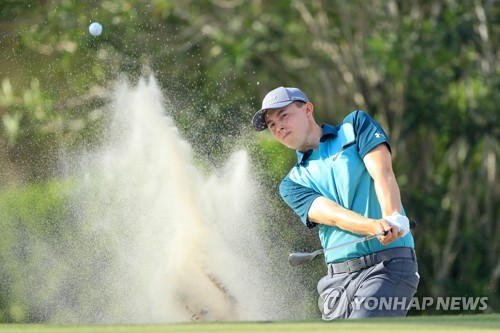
(299, 258)
(352, 242)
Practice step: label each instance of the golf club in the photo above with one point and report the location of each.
(299, 258)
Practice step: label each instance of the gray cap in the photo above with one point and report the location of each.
(276, 98)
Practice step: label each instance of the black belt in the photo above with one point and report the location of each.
(357, 264)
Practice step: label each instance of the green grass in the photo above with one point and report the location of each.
(458, 323)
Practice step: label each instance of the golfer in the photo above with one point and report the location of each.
(343, 184)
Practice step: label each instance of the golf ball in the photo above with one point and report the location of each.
(95, 29)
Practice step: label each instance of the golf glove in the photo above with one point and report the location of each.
(399, 221)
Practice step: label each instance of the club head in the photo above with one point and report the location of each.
(299, 258)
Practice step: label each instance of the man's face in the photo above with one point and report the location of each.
(289, 124)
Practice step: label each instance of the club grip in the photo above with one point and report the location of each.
(413, 225)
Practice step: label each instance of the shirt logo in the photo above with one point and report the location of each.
(378, 135)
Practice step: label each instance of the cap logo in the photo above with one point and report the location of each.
(271, 98)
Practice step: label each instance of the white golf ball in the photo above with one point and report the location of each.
(95, 29)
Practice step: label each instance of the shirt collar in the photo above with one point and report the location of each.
(328, 131)
(303, 156)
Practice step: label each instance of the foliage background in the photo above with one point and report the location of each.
(426, 70)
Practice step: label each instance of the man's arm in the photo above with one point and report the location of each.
(314, 208)
(378, 162)
(326, 211)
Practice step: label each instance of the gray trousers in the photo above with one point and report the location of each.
(383, 290)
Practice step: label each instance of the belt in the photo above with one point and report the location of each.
(357, 264)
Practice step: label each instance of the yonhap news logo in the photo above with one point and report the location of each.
(334, 302)
(420, 304)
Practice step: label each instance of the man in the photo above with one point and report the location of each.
(344, 184)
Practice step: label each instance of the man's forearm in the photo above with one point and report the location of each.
(388, 194)
(326, 211)
(379, 164)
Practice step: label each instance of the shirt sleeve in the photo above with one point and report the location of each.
(299, 198)
(369, 133)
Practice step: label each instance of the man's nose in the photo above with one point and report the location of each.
(280, 126)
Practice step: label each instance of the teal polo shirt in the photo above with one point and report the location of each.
(337, 171)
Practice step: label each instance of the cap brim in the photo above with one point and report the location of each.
(259, 118)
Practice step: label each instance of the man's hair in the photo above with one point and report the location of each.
(300, 104)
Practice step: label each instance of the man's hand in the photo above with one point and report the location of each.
(399, 221)
(392, 231)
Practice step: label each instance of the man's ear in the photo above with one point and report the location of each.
(309, 108)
